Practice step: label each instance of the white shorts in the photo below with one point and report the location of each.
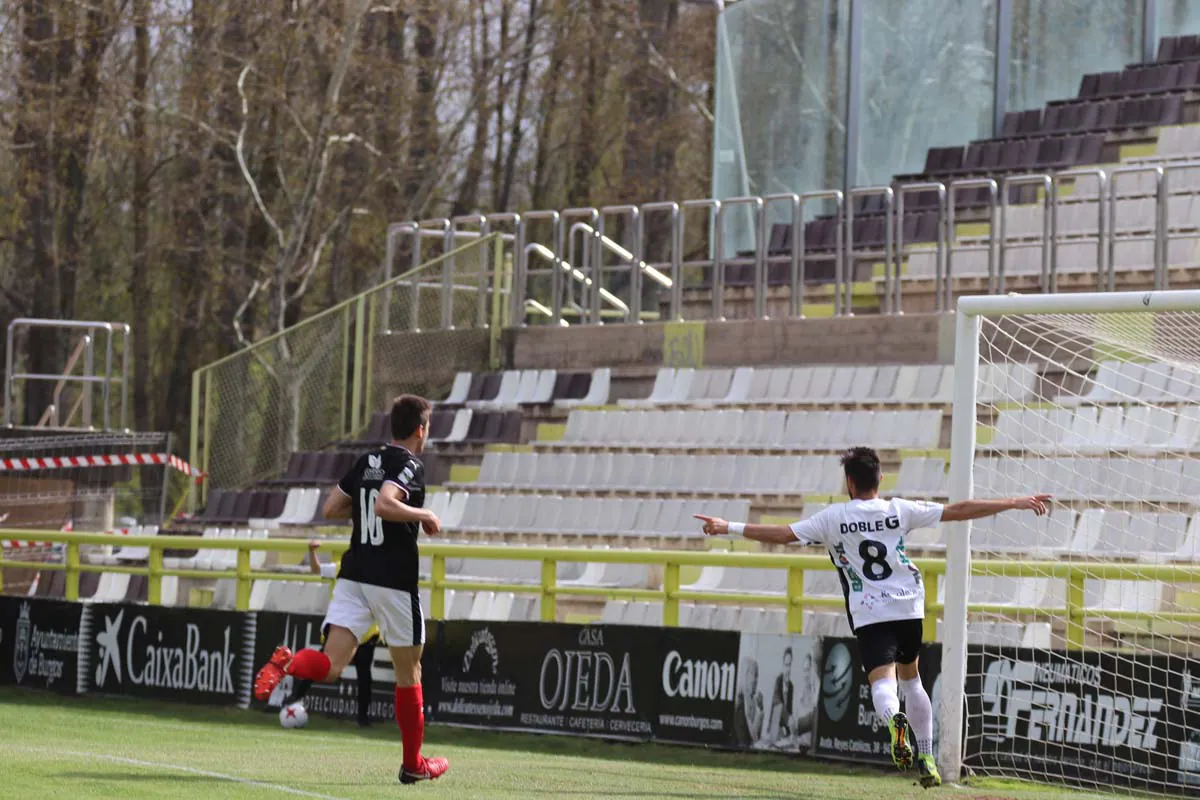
(357, 606)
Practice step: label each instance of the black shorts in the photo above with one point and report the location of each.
(896, 642)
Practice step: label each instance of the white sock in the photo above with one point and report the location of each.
(919, 711)
(883, 694)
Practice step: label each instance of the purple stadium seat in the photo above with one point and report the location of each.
(562, 385)
(295, 465)
(173, 552)
(476, 428)
(1189, 76)
(242, 505)
(581, 385)
(492, 426)
(1021, 123)
(219, 506)
(377, 430)
(138, 590)
(489, 387)
(510, 427)
(940, 160)
(275, 503)
(52, 585)
(1178, 48)
(89, 582)
(440, 423)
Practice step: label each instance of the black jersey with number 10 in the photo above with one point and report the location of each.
(383, 553)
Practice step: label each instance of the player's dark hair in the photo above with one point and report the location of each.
(862, 468)
(787, 652)
(409, 412)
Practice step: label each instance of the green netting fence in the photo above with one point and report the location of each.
(319, 382)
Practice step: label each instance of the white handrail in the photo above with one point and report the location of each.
(547, 254)
(619, 251)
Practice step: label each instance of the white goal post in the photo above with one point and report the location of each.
(1084, 627)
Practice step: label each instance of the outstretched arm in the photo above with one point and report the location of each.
(977, 509)
(771, 534)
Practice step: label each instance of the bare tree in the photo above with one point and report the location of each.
(60, 51)
(140, 205)
(213, 170)
(514, 136)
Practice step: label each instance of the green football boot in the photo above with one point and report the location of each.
(930, 776)
(902, 749)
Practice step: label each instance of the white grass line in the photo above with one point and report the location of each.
(330, 740)
(137, 762)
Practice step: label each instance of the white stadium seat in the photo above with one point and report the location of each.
(459, 390)
(719, 382)
(811, 383)
(725, 618)
(740, 386)
(664, 382)
(883, 387)
(460, 427)
(930, 384)
(598, 391)
(543, 388)
(526, 387)
(697, 387)
(781, 386)
(614, 612)
(454, 509)
(841, 385)
(681, 387)
(509, 382)
(758, 390)
(862, 382)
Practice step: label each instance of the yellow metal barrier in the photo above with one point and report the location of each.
(671, 593)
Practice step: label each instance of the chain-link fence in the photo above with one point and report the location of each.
(318, 382)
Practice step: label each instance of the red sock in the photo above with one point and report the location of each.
(309, 664)
(410, 716)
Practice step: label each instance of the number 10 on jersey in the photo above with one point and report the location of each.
(372, 524)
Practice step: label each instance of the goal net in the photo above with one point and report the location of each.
(1082, 646)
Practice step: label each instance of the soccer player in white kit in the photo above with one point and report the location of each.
(885, 596)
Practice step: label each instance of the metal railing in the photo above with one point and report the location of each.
(604, 253)
(89, 378)
(1075, 611)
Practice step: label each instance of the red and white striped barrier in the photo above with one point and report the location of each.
(13, 544)
(71, 462)
(10, 544)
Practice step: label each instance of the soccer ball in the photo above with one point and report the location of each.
(293, 716)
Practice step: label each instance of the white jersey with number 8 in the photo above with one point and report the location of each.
(866, 541)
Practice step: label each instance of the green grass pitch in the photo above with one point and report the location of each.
(106, 747)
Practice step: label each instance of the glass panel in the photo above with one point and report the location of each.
(1056, 42)
(927, 81)
(1177, 18)
(780, 97)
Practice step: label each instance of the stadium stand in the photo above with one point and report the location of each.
(1147, 104)
(570, 458)
(742, 442)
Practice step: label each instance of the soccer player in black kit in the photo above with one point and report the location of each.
(383, 495)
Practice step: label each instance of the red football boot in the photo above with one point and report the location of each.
(431, 770)
(272, 673)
